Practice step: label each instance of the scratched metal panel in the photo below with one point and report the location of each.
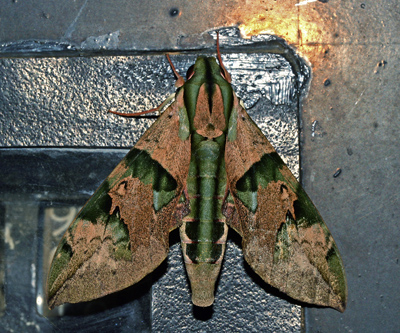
(64, 101)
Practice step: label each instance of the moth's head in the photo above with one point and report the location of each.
(206, 69)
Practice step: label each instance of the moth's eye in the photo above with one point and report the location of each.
(190, 72)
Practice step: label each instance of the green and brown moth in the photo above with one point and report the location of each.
(203, 166)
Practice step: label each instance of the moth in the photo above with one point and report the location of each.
(202, 167)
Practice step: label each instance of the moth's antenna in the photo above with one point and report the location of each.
(133, 114)
(227, 76)
(180, 81)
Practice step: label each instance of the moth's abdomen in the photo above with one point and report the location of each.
(203, 232)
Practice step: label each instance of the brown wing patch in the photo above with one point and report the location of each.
(248, 148)
(259, 230)
(303, 271)
(163, 143)
(101, 269)
(209, 120)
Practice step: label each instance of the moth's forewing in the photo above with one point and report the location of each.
(285, 240)
(121, 234)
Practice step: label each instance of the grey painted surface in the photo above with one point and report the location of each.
(358, 131)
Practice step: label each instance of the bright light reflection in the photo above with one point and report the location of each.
(39, 300)
(302, 3)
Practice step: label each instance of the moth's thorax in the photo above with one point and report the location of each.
(208, 99)
(209, 120)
